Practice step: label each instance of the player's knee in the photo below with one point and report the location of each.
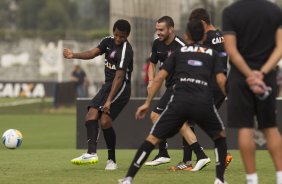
(92, 114)
(105, 122)
(154, 117)
(153, 139)
(220, 135)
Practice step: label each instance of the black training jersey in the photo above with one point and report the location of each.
(215, 40)
(117, 57)
(254, 22)
(193, 66)
(161, 51)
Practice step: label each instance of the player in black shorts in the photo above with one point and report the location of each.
(114, 94)
(167, 43)
(214, 39)
(192, 99)
(253, 40)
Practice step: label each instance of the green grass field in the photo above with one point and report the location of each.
(49, 145)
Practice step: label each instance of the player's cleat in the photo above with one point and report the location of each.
(201, 164)
(111, 165)
(86, 159)
(228, 160)
(125, 181)
(158, 161)
(182, 166)
(218, 181)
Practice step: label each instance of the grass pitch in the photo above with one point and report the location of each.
(49, 145)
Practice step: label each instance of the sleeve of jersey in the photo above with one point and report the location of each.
(227, 25)
(219, 64)
(103, 45)
(126, 57)
(169, 63)
(154, 56)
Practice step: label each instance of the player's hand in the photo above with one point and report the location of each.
(142, 111)
(256, 85)
(107, 107)
(68, 54)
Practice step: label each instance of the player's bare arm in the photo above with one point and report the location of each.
(90, 54)
(236, 58)
(276, 55)
(119, 77)
(156, 85)
(151, 73)
(221, 81)
(254, 78)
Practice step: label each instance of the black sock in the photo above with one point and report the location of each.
(220, 152)
(141, 156)
(110, 138)
(187, 151)
(92, 128)
(163, 149)
(198, 150)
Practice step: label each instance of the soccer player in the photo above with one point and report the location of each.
(192, 99)
(215, 40)
(167, 43)
(253, 41)
(114, 94)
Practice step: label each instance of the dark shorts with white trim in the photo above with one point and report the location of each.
(119, 102)
(244, 109)
(162, 103)
(178, 111)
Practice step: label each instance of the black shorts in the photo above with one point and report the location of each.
(119, 101)
(162, 103)
(218, 96)
(178, 111)
(243, 106)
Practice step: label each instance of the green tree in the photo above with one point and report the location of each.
(53, 16)
(28, 12)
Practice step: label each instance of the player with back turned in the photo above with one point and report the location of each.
(192, 99)
(166, 44)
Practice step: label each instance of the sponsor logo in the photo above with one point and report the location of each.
(160, 109)
(22, 90)
(197, 49)
(222, 54)
(195, 81)
(194, 63)
(112, 55)
(169, 53)
(110, 66)
(217, 40)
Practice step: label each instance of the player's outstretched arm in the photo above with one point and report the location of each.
(69, 54)
(156, 85)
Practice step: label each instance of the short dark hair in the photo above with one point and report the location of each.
(122, 25)
(195, 30)
(201, 14)
(167, 19)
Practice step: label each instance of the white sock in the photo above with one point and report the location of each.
(252, 178)
(279, 177)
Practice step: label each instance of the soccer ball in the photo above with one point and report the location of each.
(12, 138)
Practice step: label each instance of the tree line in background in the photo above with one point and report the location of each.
(49, 18)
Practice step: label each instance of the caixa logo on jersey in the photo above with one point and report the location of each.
(30, 90)
(194, 62)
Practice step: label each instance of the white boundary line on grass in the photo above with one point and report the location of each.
(21, 102)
